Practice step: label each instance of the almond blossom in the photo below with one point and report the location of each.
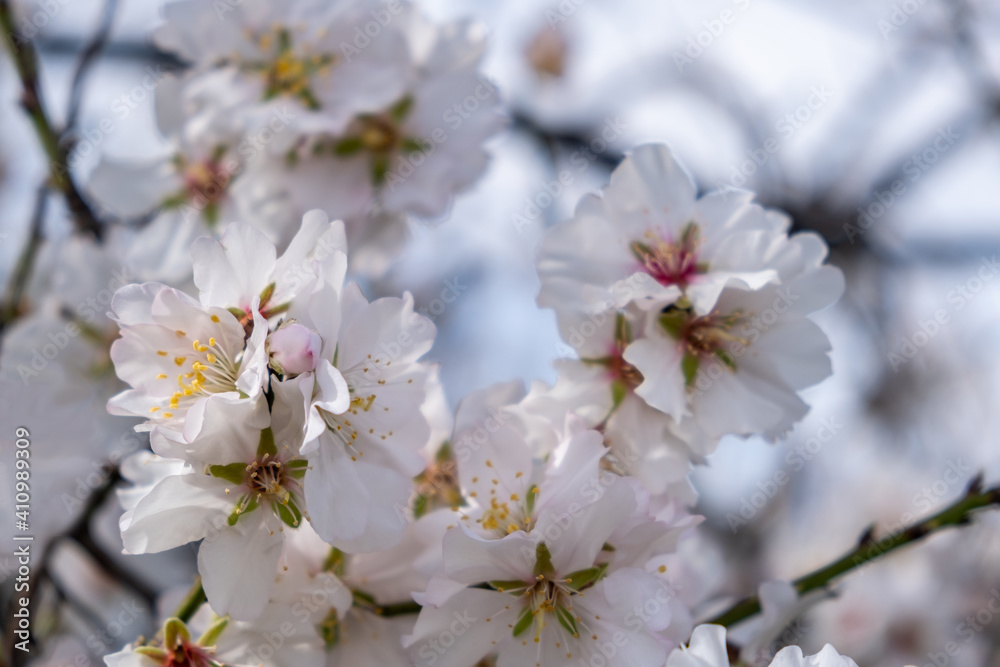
(708, 649)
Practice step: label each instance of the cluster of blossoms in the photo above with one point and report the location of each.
(297, 433)
(299, 439)
(361, 108)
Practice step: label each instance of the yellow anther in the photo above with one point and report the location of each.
(168, 415)
(180, 360)
(181, 333)
(195, 344)
(215, 318)
(154, 408)
(211, 341)
(162, 353)
(211, 358)
(161, 376)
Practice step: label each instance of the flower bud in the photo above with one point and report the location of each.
(294, 349)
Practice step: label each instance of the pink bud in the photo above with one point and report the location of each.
(294, 349)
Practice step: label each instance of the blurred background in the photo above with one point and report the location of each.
(873, 123)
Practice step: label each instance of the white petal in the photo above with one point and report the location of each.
(238, 566)
(180, 509)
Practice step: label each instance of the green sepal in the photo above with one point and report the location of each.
(154, 652)
(266, 294)
(280, 308)
(726, 358)
(690, 365)
(566, 620)
(690, 234)
(401, 109)
(266, 445)
(210, 635)
(420, 506)
(234, 472)
(364, 599)
(175, 633)
(175, 200)
(211, 213)
(296, 468)
(444, 453)
(543, 561)
(619, 390)
(641, 251)
(237, 313)
(673, 322)
(411, 145)
(583, 578)
(329, 629)
(284, 40)
(335, 562)
(623, 330)
(380, 168)
(523, 621)
(348, 147)
(309, 99)
(289, 513)
(235, 516)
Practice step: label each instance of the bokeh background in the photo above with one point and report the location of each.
(873, 123)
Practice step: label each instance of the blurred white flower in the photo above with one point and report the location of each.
(707, 648)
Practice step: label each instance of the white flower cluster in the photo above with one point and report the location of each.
(296, 433)
(361, 108)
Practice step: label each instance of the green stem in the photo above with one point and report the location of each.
(192, 601)
(25, 59)
(870, 549)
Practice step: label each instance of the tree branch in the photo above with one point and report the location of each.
(25, 59)
(22, 271)
(869, 549)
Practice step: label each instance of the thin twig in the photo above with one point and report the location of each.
(87, 60)
(869, 549)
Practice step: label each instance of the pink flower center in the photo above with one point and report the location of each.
(671, 262)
